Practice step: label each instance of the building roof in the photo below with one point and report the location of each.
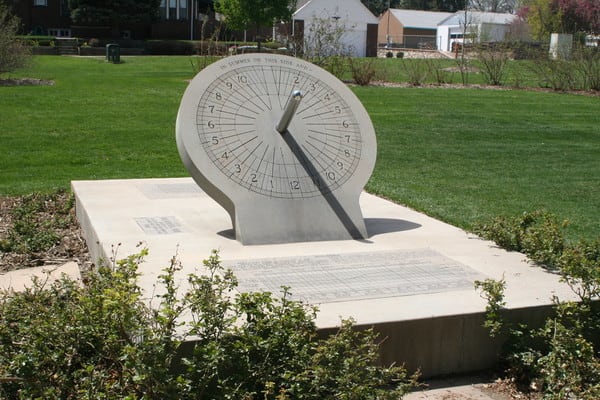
(301, 3)
(353, 9)
(479, 17)
(419, 19)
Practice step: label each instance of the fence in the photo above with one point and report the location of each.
(412, 42)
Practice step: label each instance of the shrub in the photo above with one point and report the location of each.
(399, 54)
(439, 73)
(389, 54)
(560, 358)
(493, 60)
(364, 71)
(555, 74)
(101, 340)
(13, 53)
(185, 47)
(36, 221)
(417, 70)
(538, 234)
(587, 64)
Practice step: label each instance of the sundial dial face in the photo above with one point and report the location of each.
(281, 144)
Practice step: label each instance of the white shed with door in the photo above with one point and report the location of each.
(473, 26)
(359, 24)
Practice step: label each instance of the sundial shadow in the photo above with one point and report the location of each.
(227, 234)
(375, 226)
(379, 226)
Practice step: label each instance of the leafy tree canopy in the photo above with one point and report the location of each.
(432, 5)
(562, 16)
(113, 12)
(241, 14)
(378, 7)
(497, 6)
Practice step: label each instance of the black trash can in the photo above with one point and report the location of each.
(113, 53)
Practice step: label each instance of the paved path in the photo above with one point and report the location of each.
(458, 388)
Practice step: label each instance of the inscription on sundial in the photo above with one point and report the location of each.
(169, 190)
(344, 277)
(159, 225)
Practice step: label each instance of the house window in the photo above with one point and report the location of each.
(172, 12)
(64, 8)
(163, 9)
(57, 32)
(182, 9)
(40, 3)
(173, 9)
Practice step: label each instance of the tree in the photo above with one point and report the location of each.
(433, 5)
(542, 16)
(244, 14)
(450, 5)
(580, 15)
(496, 6)
(13, 54)
(565, 16)
(378, 7)
(113, 13)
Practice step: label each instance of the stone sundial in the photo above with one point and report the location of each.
(284, 146)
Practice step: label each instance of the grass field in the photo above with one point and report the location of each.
(461, 155)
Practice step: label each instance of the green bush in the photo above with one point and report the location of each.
(538, 234)
(493, 60)
(101, 341)
(587, 64)
(185, 47)
(36, 40)
(417, 70)
(560, 359)
(36, 222)
(364, 70)
(13, 53)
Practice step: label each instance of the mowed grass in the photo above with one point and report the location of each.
(465, 155)
(461, 155)
(98, 121)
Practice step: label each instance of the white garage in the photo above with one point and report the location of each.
(360, 25)
(477, 25)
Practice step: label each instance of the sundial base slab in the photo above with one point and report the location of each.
(412, 279)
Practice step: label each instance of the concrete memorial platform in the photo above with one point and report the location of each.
(412, 279)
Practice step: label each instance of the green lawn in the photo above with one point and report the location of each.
(461, 155)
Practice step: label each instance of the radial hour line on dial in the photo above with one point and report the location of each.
(312, 166)
(262, 158)
(308, 105)
(242, 144)
(323, 142)
(331, 159)
(325, 133)
(259, 96)
(239, 95)
(242, 105)
(251, 152)
(239, 115)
